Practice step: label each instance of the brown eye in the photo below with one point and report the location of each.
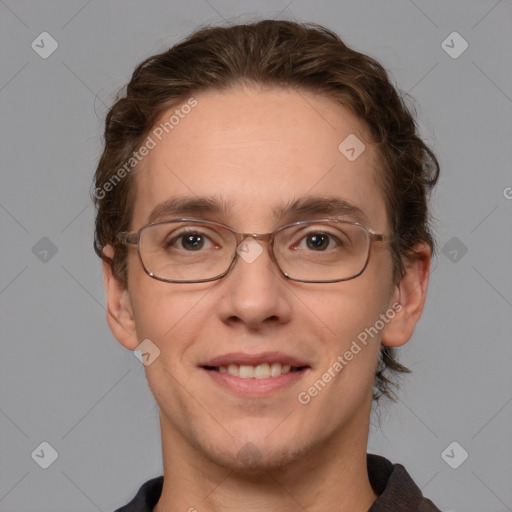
(317, 241)
(192, 241)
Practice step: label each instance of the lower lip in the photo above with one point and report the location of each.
(255, 387)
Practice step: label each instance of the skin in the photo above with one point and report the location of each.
(259, 148)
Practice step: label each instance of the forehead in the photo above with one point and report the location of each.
(256, 151)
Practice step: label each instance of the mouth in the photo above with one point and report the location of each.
(255, 375)
(261, 371)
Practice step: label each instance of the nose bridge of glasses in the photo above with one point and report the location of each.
(264, 237)
(252, 252)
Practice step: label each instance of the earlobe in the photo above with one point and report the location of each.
(120, 316)
(410, 293)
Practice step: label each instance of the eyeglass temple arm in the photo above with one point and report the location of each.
(128, 238)
(381, 237)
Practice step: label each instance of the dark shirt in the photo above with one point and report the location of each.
(396, 489)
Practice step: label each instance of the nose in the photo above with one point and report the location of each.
(255, 292)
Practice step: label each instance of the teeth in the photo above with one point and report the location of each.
(234, 369)
(262, 371)
(276, 369)
(246, 372)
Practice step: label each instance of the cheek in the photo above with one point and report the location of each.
(154, 302)
(168, 314)
(346, 309)
(349, 315)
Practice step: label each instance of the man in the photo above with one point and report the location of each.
(262, 218)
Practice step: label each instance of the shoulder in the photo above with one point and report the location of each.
(146, 497)
(395, 487)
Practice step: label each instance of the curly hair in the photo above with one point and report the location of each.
(273, 54)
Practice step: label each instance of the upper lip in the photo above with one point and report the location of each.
(254, 359)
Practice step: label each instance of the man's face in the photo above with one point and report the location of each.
(258, 151)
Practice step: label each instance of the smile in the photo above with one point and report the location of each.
(255, 375)
(261, 371)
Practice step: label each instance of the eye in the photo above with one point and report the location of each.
(318, 241)
(192, 241)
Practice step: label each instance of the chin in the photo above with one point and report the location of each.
(254, 454)
(253, 459)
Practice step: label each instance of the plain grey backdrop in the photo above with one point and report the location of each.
(66, 381)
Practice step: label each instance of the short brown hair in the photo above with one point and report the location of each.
(273, 54)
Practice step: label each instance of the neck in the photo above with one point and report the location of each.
(331, 476)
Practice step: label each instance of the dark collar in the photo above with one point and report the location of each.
(396, 489)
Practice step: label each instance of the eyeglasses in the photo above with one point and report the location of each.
(194, 251)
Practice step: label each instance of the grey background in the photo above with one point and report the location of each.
(63, 377)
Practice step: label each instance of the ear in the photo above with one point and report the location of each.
(119, 307)
(409, 297)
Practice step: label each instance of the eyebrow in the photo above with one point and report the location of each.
(188, 205)
(310, 206)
